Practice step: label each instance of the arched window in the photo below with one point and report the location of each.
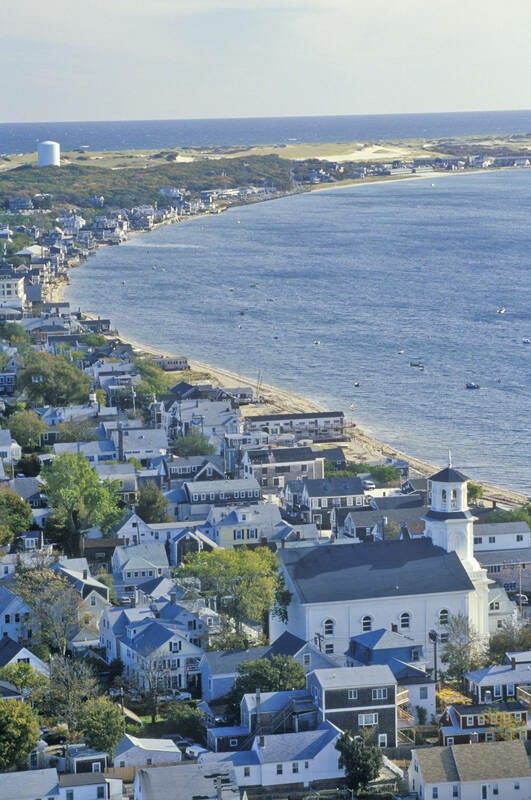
(405, 619)
(329, 627)
(366, 624)
(443, 616)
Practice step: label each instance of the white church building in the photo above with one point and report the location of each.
(412, 586)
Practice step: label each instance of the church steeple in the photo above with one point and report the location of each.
(449, 521)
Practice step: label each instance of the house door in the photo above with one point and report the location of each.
(382, 740)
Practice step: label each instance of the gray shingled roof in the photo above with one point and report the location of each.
(226, 662)
(29, 784)
(333, 487)
(343, 572)
(474, 762)
(348, 677)
(301, 746)
(280, 455)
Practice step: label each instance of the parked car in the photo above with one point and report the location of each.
(176, 694)
(368, 484)
(54, 735)
(521, 599)
(194, 751)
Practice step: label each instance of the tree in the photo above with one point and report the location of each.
(15, 335)
(509, 639)
(29, 465)
(15, 514)
(463, 651)
(54, 602)
(75, 430)
(152, 505)
(360, 759)
(186, 720)
(385, 474)
(505, 725)
(194, 443)
(30, 683)
(78, 498)
(247, 583)
(474, 492)
(102, 723)
(72, 684)
(19, 733)
(53, 380)
(26, 427)
(276, 674)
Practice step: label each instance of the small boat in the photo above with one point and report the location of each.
(242, 313)
(501, 310)
(356, 384)
(416, 363)
(270, 300)
(525, 340)
(240, 327)
(352, 406)
(317, 341)
(275, 337)
(252, 286)
(400, 352)
(123, 283)
(471, 385)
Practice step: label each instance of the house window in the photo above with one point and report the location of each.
(455, 791)
(519, 537)
(306, 659)
(444, 616)
(306, 764)
(352, 694)
(510, 690)
(149, 761)
(246, 772)
(435, 793)
(379, 694)
(329, 627)
(443, 638)
(423, 693)
(366, 624)
(365, 720)
(295, 767)
(405, 620)
(498, 691)
(233, 743)
(495, 789)
(481, 720)
(449, 740)
(93, 600)
(492, 539)
(279, 769)
(100, 793)
(69, 794)
(121, 764)
(470, 721)
(329, 649)
(478, 540)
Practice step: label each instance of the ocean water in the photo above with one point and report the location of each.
(152, 134)
(365, 271)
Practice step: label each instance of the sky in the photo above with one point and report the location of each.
(170, 59)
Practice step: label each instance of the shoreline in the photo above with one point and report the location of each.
(359, 445)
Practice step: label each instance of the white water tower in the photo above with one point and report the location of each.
(49, 154)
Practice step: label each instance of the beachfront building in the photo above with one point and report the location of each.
(274, 466)
(321, 426)
(340, 590)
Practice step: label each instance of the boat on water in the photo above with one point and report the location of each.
(525, 340)
(501, 310)
(416, 363)
(356, 384)
(400, 352)
(471, 385)
(317, 341)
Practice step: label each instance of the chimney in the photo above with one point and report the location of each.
(173, 598)
(85, 574)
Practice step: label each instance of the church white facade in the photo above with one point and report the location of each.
(413, 586)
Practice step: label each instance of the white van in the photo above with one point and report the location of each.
(194, 751)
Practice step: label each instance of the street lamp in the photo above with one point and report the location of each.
(434, 637)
